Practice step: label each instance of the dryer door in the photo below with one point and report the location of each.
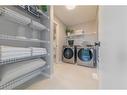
(68, 53)
(85, 54)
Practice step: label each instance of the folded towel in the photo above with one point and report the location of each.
(8, 52)
(12, 71)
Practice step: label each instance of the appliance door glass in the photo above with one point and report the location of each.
(85, 54)
(68, 53)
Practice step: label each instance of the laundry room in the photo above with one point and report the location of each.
(76, 46)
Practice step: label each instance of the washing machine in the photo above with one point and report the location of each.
(86, 56)
(69, 54)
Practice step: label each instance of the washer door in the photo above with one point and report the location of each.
(68, 53)
(85, 54)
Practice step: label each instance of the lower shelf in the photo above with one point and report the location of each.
(22, 79)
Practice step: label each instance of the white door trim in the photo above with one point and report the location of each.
(57, 44)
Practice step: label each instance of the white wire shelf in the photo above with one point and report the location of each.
(14, 60)
(16, 38)
(80, 35)
(37, 26)
(47, 29)
(44, 14)
(22, 79)
(18, 18)
(14, 16)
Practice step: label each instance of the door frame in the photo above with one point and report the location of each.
(57, 45)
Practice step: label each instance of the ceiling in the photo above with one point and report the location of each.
(78, 15)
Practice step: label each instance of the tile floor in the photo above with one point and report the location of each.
(66, 76)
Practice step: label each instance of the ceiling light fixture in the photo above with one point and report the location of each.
(70, 7)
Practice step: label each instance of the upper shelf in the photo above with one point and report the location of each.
(42, 13)
(37, 26)
(34, 12)
(80, 35)
(14, 16)
(20, 19)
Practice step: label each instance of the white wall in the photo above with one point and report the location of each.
(60, 34)
(90, 28)
(113, 50)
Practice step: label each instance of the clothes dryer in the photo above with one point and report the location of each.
(86, 56)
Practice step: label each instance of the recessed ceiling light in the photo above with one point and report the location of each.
(70, 7)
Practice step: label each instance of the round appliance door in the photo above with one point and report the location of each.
(85, 54)
(68, 53)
